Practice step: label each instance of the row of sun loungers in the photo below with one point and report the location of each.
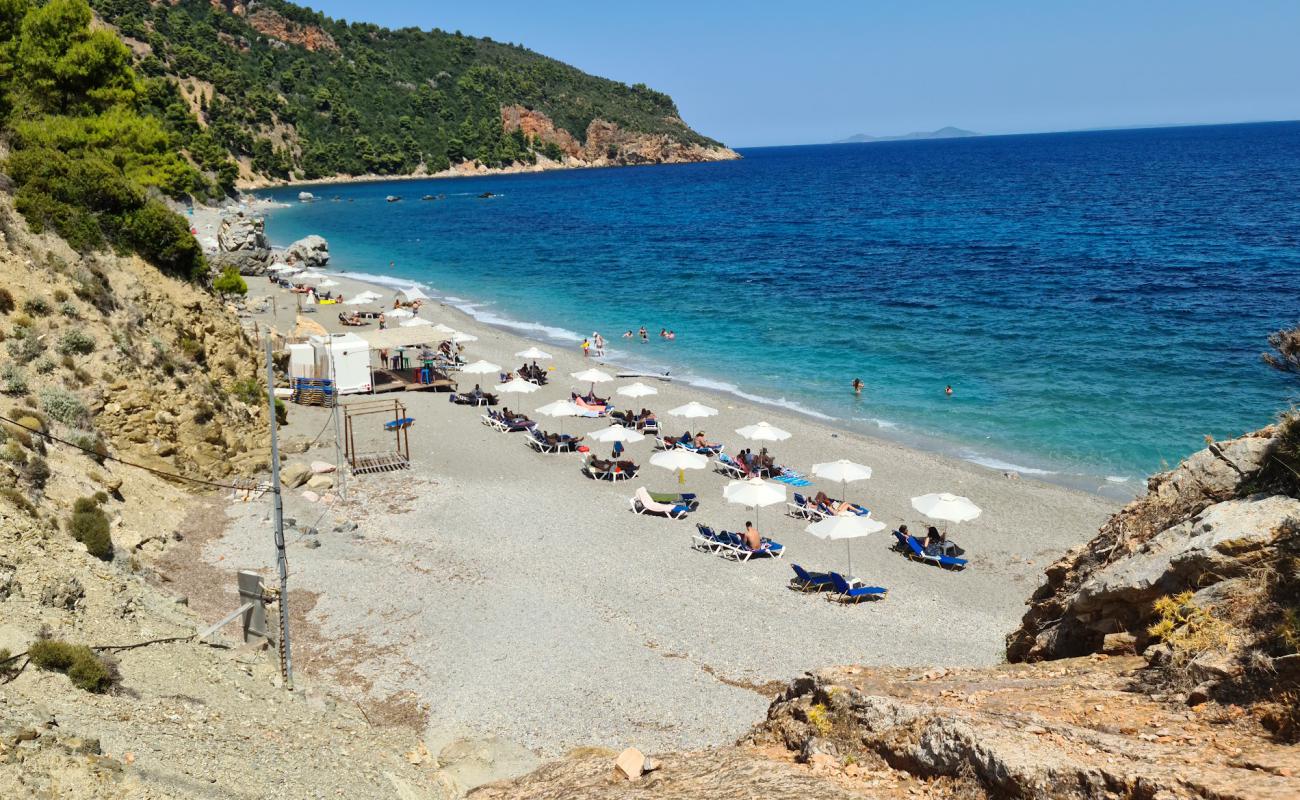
(732, 545)
(507, 422)
(838, 585)
(602, 470)
(728, 466)
(636, 422)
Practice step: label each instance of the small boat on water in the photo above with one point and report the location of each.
(392, 198)
(428, 197)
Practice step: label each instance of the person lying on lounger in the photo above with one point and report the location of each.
(837, 506)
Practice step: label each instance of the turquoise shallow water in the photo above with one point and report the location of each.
(1097, 300)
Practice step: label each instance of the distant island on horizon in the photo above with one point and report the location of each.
(948, 132)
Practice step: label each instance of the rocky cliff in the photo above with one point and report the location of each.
(1200, 574)
(608, 144)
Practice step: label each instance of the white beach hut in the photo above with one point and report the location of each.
(345, 359)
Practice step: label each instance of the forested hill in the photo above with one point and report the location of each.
(292, 93)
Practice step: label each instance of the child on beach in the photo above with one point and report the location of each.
(586, 347)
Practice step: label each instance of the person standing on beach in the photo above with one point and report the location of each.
(599, 343)
(857, 386)
(586, 348)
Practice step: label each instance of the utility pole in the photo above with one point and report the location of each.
(340, 468)
(282, 561)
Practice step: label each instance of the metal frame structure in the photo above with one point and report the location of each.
(366, 463)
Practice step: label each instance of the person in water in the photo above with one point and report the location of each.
(857, 386)
(627, 335)
(948, 390)
(645, 337)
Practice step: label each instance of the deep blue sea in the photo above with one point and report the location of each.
(1098, 301)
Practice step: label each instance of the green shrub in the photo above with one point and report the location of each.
(69, 309)
(193, 349)
(91, 442)
(13, 453)
(281, 412)
(101, 497)
(6, 301)
(12, 380)
(89, 525)
(37, 306)
(36, 472)
(163, 238)
(75, 341)
(65, 407)
(87, 670)
(248, 391)
(43, 366)
(230, 282)
(25, 348)
(60, 296)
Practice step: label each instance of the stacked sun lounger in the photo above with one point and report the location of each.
(644, 503)
(732, 545)
(910, 547)
(313, 392)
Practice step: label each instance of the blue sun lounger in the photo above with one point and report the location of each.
(857, 594)
(806, 581)
(910, 547)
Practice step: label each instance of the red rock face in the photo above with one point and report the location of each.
(269, 23)
(537, 125)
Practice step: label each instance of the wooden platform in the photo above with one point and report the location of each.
(407, 380)
(372, 463)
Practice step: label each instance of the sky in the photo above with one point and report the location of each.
(772, 73)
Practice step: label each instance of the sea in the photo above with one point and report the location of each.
(1097, 301)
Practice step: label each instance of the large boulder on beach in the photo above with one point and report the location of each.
(240, 232)
(250, 263)
(310, 251)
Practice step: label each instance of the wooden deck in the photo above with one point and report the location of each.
(407, 380)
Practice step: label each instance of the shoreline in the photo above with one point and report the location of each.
(462, 170)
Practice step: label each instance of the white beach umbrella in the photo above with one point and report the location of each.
(561, 408)
(592, 376)
(615, 433)
(440, 328)
(533, 353)
(763, 432)
(754, 493)
(946, 507)
(414, 322)
(693, 410)
(844, 471)
(847, 528)
(359, 300)
(637, 389)
(460, 338)
(678, 461)
(311, 278)
(517, 386)
(398, 313)
(327, 283)
(481, 368)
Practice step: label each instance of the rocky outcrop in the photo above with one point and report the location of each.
(241, 243)
(539, 127)
(1198, 524)
(1072, 729)
(309, 251)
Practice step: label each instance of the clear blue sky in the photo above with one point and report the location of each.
(763, 73)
